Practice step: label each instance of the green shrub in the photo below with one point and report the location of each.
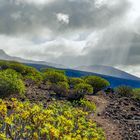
(73, 95)
(124, 91)
(75, 81)
(18, 67)
(54, 77)
(96, 82)
(79, 91)
(52, 69)
(28, 73)
(84, 88)
(34, 75)
(136, 93)
(62, 88)
(87, 105)
(10, 83)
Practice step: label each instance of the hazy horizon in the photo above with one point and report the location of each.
(73, 32)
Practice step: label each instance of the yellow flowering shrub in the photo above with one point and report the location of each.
(59, 121)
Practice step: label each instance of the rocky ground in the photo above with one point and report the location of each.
(118, 116)
(125, 112)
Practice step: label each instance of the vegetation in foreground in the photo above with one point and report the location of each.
(59, 120)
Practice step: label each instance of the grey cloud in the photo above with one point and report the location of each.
(83, 15)
(117, 46)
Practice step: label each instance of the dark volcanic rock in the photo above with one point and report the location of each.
(125, 112)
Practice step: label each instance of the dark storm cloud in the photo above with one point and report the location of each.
(23, 17)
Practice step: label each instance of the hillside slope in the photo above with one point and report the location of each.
(107, 70)
(114, 81)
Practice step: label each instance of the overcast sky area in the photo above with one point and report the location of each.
(73, 32)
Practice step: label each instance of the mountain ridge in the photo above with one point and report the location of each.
(5, 56)
(107, 70)
(97, 69)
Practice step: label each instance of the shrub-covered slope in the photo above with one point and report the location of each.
(51, 105)
(114, 81)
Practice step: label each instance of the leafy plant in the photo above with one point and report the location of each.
(96, 82)
(28, 73)
(80, 91)
(83, 88)
(124, 91)
(10, 83)
(87, 105)
(34, 75)
(75, 81)
(54, 77)
(136, 93)
(52, 69)
(63, 88)
(59, 121)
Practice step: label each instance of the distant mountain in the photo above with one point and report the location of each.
(107, 70)
(114, 76)
(4, 56)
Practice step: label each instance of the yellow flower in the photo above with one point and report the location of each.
(25, 114)
(3, 109)
(78, 137)
(54, 132)
(67, 137)
(35, 136)
(13, 99)
(3, 136)
(9, 120)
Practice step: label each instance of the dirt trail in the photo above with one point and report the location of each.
(111, 129)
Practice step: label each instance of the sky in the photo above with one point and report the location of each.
(73, 32)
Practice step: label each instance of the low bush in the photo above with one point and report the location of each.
(18, 67)
(10, 83)
(87, 105)
(59, 121)
(75, 81)
(96, 82)
(28, 73)
(54, 77)
(80, 91)
(34, 75)
(52, 69)
(73, 95)
(136, 93)
(61, 88)
(125, 91)
(83, 88)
